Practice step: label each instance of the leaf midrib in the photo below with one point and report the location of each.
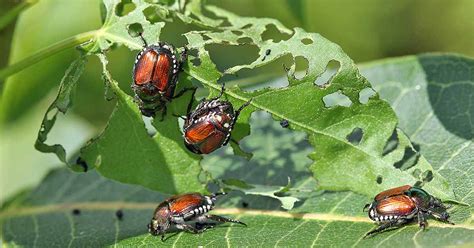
(113, 206)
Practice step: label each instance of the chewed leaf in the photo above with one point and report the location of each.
(61, 104)
(438, 88)
(117, 29)
(127, 153)
(339, 164)
(287, 202)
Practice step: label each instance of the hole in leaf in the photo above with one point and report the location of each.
(272, 33)
(416, 173)
(259, 78)
(379, 179)
(237, 32)
(335, 99)
(247, 26)
(124, 7)
(392, 143)
(50, 115)
(151, 14)
(244, 40)
(410, 158)
(355, 136)
(135, 29)
(427, 176)
(324, 79)
(302, 65)
(418, 184)
(307, 41)
(225, 23)
(365, 95)
(196, 61)
(151, 130)
(233, 55)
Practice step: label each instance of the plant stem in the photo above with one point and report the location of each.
(46, 52)
(11, 14)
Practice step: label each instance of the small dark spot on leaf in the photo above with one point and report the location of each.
(124, 7)
(135, 29)
(81, 162)
(427, 176)
(379, 179)
(284, 123)
(355, 136)
(119, 214)
(267, 52)
(307, 41)
(76, 211)
(245, 204)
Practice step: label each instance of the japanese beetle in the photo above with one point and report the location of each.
(155, 75)
(208, 127)
(179, 209)
(401, 205)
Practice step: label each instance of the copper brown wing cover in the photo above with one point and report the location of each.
(186, 202)
(396, 205)
(392, 192)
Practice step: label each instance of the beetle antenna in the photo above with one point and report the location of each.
(365, 207)
(143, 39)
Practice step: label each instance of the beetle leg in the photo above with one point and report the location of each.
(181, 92)
(440, 217)
(190, 104)
(205, 226)
(191, 229)
(224, 219)
(386, 225)
(237, 113)
(422, 220)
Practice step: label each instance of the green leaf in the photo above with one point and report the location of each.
(127, 153)
(45, 217)
(431, 95)
(287, 202)
(116, 29)
(62, 102)
(338, 163)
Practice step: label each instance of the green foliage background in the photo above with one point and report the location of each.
(365, 31)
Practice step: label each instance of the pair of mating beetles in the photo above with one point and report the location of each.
(155, 76)
(391, 208)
